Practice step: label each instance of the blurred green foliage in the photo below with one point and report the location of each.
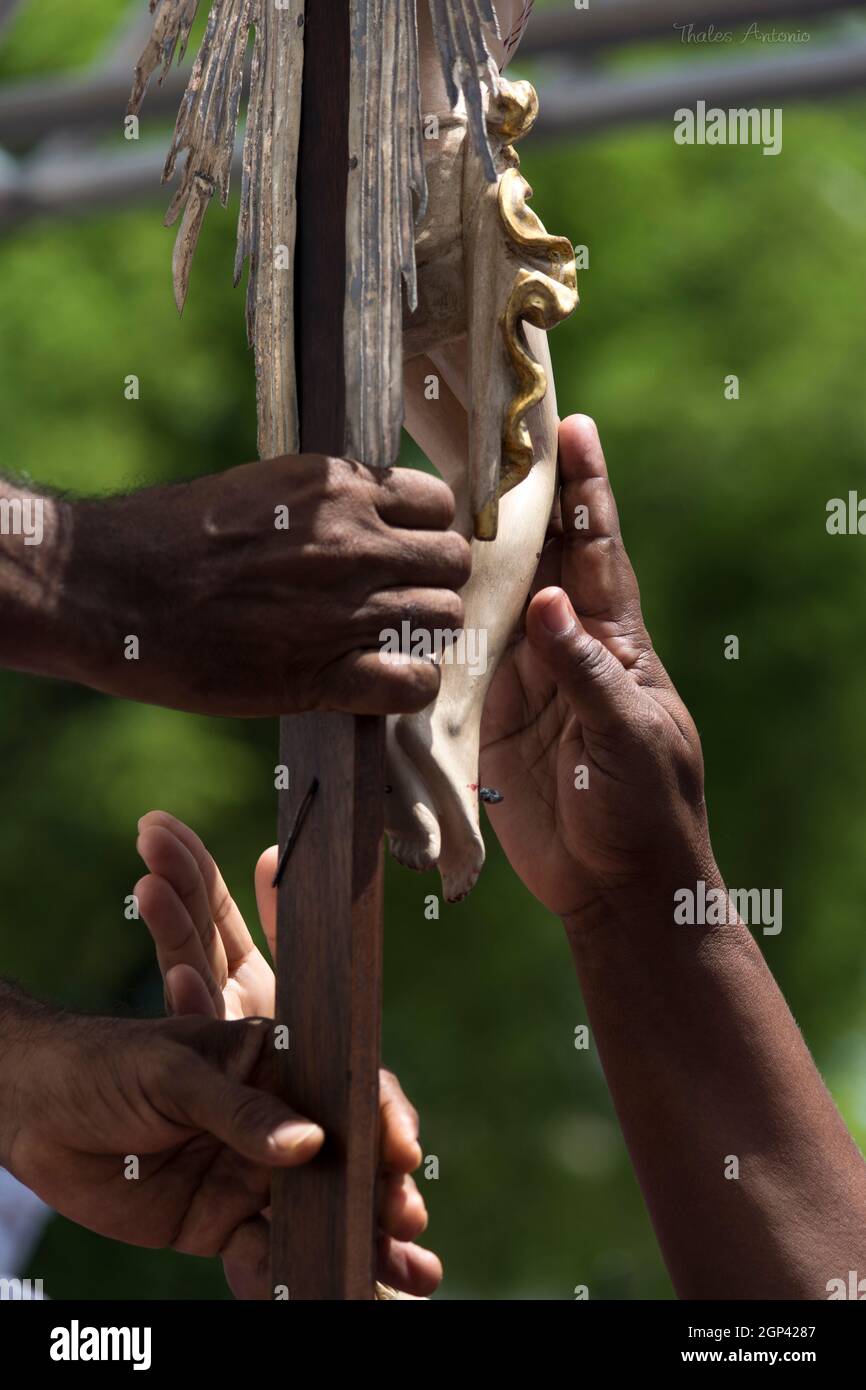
(703, 262)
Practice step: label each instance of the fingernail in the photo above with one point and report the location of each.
(556, 615)
(291, 1136)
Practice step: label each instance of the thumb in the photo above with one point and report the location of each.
(257, 1125)
(597, 685)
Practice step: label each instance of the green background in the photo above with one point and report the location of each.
(703, 262)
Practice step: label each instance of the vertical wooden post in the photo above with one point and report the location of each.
(329, 921)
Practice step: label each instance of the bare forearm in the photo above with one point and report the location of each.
(753, 1183)
(754, 1186)
(81, 580)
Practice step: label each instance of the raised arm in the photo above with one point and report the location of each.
(755, 1188)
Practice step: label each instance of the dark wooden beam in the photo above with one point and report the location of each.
(329, 921)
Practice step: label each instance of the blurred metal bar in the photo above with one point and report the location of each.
(31, 110)
(624, 21)
(586, 103)
(8, 11)
(59, 186)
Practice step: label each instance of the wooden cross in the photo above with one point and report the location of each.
(329, 925)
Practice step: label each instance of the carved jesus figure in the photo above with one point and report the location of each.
(480, 403)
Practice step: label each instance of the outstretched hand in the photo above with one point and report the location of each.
(212, 967)
(596, 755)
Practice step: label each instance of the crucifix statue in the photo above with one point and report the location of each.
(396, 276)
